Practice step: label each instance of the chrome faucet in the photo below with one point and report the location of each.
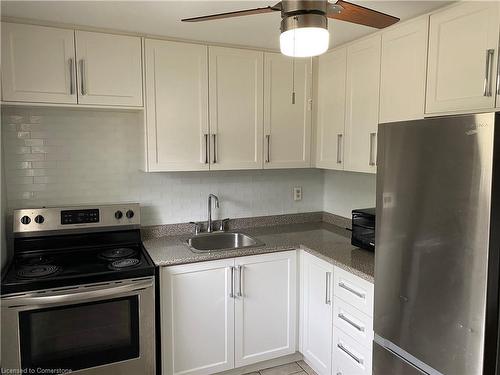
(210, 197)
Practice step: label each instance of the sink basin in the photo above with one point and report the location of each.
(218, 241)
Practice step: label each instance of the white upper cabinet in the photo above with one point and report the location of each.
(403, 72)
(109, 69)
(38, 64)
(362, 95)
(236, 108)
(287, 124)
(176, 106)
(331, 110)
(463, 48)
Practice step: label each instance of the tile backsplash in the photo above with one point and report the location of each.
(56, 156)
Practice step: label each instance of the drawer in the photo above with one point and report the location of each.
(353, 290)
(350, 357)
(353, 322)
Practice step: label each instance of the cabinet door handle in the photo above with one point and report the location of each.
(83, 87)
(268, 138)
(206, 148)
(372, 148)
(328, 300)
(349, 353)
(498, 73)
(349, 321)
(487, 75)
(240, 276)
(339, 148)
(231, 294)
(351, 290)
(71, 76)
(214, 137)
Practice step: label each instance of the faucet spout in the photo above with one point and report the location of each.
(216, 199)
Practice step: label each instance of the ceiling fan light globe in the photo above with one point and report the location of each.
(304, 41)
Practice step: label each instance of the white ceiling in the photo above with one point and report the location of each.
(162, 18)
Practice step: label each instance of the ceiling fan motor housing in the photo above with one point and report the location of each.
(303, 13)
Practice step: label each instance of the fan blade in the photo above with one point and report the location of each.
(247, 12)
(357, 14)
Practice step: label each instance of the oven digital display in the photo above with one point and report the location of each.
(79, 216)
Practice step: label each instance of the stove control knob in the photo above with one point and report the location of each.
(129, 214)
(25, 220)
(39, 219)
(118, 215)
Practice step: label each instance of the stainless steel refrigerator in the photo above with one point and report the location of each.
(437, 246)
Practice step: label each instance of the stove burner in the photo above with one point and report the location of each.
(121, 252)
(31, 272)
(124, 263)
(37, 260)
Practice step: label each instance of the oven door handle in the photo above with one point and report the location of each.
(79, 294)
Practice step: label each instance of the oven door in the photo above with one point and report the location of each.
(91, 329)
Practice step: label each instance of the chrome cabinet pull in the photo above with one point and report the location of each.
(206, 148)
(83, 88)
(214, 137)
(349, 353)
(487, 76)
(328, 300)
(498, 73)
(232, 282)
(339, 148)
(349, 321)
(71, 77)
(240, 289)
(349, 289)
(268, 138)
(372, 148)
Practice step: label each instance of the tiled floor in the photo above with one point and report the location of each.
(296, 368)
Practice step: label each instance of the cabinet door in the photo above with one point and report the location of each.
(287, 124)
(331, 110)
(197, 318)
(362, 95)
(463, 46)
(265, 307)
(316, 327)
(236, 108)
(403, 72)
(109, 69)
(38, 64)
(176, 106)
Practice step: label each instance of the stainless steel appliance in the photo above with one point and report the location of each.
(79, 293)
(438, 242)
(363, 228)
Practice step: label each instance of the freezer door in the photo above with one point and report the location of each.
(386, 362)
(433, 213)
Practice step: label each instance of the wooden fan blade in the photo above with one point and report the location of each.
(238, 13)
(357, 14)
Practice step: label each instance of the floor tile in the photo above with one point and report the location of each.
(290, 368)
(306, 368)
(252, 373)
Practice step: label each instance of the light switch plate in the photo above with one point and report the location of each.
(297, 193)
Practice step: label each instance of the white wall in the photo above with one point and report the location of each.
(345, 191)
(57, 156)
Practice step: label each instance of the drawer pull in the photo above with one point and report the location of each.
(349, 353)
(349, 289)
(349, 321)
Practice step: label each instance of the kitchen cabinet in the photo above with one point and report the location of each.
(236, 108)
(331, 109)
(362, 105)
(316, 326)
(228, 313)
(350, 358)
(197, 318)
(177, 132)
(265, 307)
(287, 123)
(462, 64)
(38, 64)
(109, 69)
(403, 71)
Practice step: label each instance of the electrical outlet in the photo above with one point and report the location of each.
(297, 193)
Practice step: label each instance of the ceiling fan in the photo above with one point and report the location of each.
(304, 23)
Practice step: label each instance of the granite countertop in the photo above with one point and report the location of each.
(326, 241)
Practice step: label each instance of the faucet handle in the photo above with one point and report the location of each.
(197, 227)
(222, 224)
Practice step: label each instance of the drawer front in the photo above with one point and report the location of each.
(353, 290)
(350, 357)
(353, 322)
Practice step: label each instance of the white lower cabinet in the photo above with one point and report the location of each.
(223, 314)
(349, 356)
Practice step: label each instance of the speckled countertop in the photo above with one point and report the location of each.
(326, 241)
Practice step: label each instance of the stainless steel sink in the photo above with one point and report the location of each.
(218, 241)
